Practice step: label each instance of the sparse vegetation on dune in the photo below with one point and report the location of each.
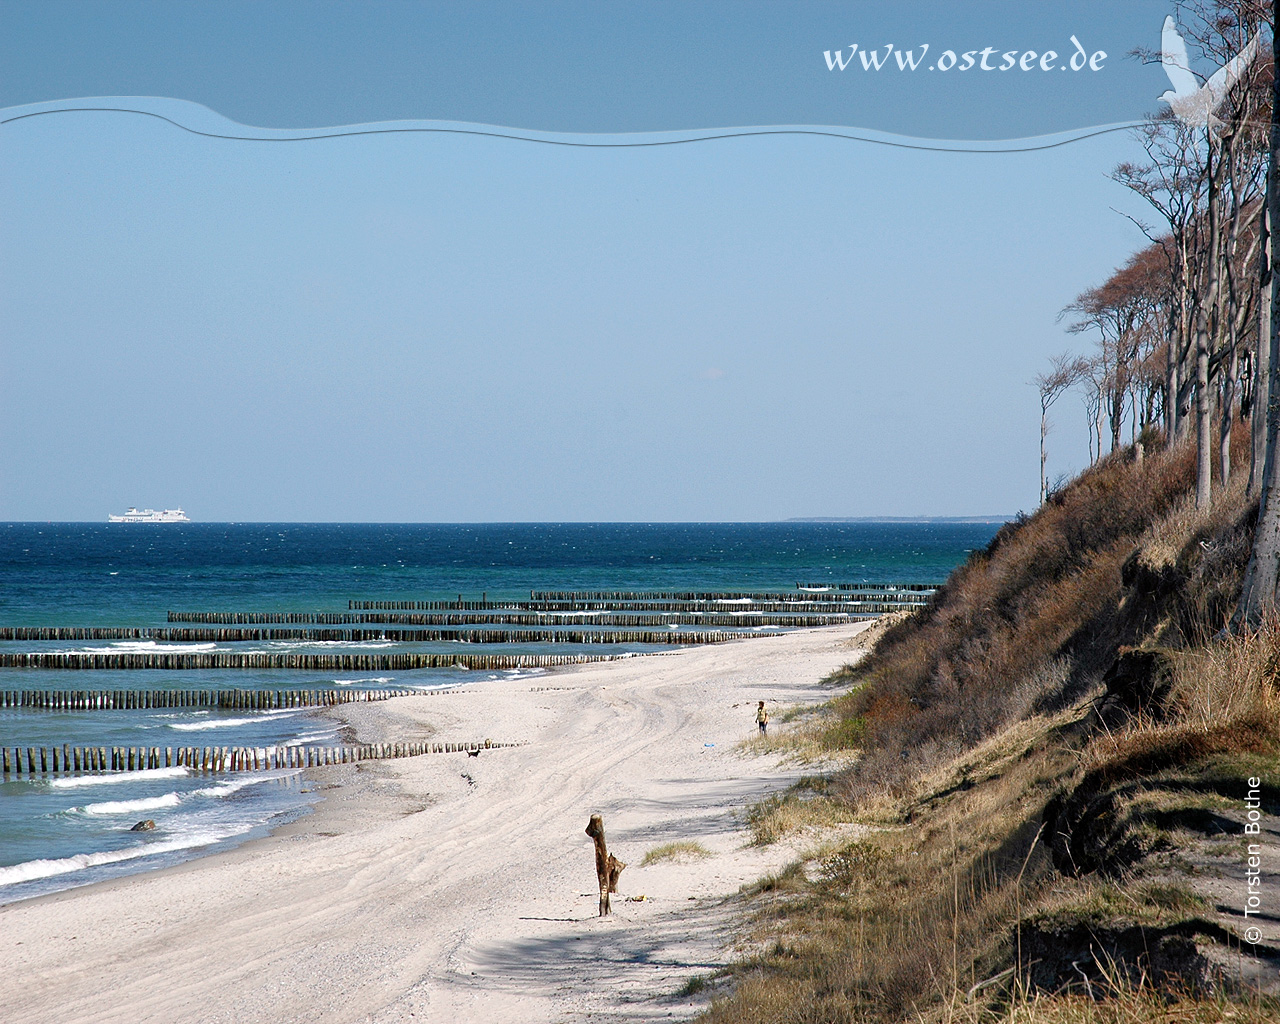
(1054, 749)
(680, 850)
(808, 735)
(781, 815)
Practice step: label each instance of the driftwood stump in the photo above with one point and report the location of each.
(608, 867)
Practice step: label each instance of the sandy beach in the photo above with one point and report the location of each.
(456, 888)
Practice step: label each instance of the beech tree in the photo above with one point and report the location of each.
(1129, 312)
(1185, 328)
(1065, 371)
(1262, 575)
(1207, 182)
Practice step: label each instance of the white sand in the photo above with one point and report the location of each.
(414, 894)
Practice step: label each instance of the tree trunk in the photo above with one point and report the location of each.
(1172, 343)
(1185, 378)
(1204, 423)
(1228, 415)
(1258, 599)
(1262, 361)
(1205, 322)
(1174, 335)
(608, 867)
(1116, 415)
(1044, 431)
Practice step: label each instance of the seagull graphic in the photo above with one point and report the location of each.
(1192, 102)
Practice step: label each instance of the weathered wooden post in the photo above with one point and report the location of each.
(608, 867)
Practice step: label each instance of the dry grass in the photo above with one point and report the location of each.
(1102, 903)
(1147, 1007)
(893, 923)
(869, 637)
(807, 735)
(1233, 678)
(981, 738)
(1224, 702)
(1126, 1004)
(902, 922)
(785, 814)
(1027, 625)
(1030, 624)
(681, 851)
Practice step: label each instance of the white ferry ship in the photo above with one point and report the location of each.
(150, 515)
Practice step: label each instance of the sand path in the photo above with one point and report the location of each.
(449, 888)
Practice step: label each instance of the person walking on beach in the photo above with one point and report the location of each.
(762, 718)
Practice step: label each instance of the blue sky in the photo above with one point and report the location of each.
(585, 66)
(453, 328)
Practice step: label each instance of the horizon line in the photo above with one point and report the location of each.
(524, 522)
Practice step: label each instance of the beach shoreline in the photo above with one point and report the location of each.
(447, 887)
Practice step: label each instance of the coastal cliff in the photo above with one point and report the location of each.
(1071, 769)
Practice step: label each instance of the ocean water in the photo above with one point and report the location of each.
(64, 831)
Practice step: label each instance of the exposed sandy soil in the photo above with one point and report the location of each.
(1220, 873)
(455, 888)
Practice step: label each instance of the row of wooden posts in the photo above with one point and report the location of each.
(708, 608)
(585, 622)
(169, 660)
(816, 603)
(610, 617)
(718, 595)
(248, 700)
(919, 588)
(66, 759)
(625, 600)
(471, 636)
(603, 613)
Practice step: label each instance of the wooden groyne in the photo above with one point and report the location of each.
(552, 614)
(878, 588)
(717, 619)
(69, 760)
(430, 606)
(548, 599)
(465, 636)
(831, 604)
(246, 700)
(169, 660)
(713, 595)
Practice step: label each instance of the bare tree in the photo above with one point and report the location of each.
(1262, 575)
(1206, 183)
(1172, 180)
(1064, 371)
(1261, 377)
(1128, 312)
(1234, 163)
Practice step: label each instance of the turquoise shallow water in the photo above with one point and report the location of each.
(61, 832)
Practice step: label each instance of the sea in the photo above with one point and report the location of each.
(67, 830)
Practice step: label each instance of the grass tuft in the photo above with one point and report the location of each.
(784, 814)
(692, 987)
(679, 851)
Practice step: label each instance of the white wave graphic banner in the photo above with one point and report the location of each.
(200, 120)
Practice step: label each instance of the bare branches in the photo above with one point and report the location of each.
(1177, 325)
(1065, 371)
